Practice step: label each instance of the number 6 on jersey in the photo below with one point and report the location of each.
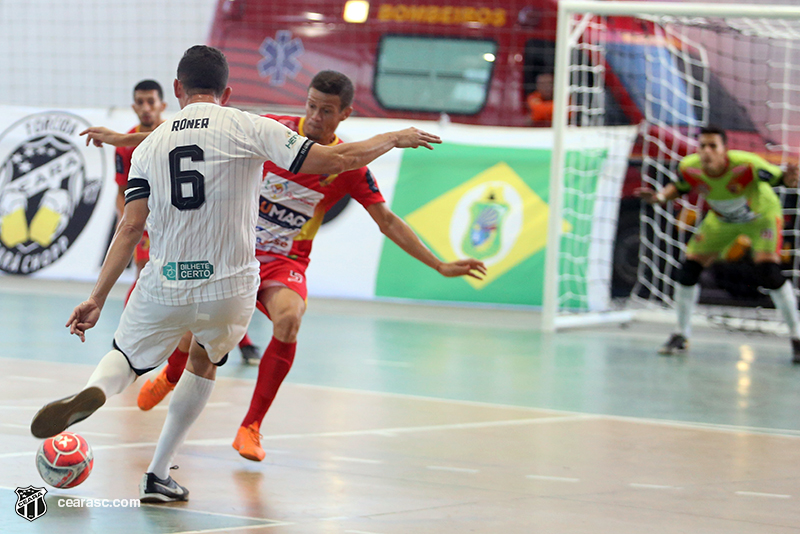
(188, 187)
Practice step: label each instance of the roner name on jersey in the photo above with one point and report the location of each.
(182, 124)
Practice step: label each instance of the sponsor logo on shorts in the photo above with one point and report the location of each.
(50, 183)
(295, 277)
(187, 270)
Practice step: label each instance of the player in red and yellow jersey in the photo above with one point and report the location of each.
(737, 186)
(148, 104)
(292, 207)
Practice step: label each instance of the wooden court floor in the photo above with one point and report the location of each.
(410, 419)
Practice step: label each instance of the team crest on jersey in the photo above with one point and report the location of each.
(50, 183)
(735, 188)
(282, 191)
(275, 190)
(767, 234)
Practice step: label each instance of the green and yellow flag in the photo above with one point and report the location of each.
(489, 203)
(494, 217)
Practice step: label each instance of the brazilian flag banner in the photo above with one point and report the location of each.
(491, 203)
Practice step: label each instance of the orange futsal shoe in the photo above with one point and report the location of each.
(248, 443)
(154, 391)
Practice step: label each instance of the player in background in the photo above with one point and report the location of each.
(737, 186)
(199, 172)
(292, 207)
(148, 104)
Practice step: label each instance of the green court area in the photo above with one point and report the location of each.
(118, 520)
(399, 418)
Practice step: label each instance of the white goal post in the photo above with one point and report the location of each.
(585, 178)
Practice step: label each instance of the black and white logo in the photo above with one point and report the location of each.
(50, 183)
(30, 502)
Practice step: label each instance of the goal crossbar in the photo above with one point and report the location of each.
(678, 9)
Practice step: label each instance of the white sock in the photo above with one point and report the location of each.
(786, 302)
(188, 400)
(685, 299)
(112, 374)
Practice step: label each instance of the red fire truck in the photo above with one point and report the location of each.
(474, 60)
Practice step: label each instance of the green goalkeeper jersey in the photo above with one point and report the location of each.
(740, 194)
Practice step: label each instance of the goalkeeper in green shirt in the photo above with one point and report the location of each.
(737, 187)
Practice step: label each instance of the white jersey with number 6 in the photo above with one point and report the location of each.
(201, 172)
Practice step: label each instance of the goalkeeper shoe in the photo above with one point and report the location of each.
(154, 391)
(676, 344)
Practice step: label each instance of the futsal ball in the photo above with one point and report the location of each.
(65, 460)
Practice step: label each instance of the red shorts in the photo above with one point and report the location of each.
(142, 251)
(283, 272)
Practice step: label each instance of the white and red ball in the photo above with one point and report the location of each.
(65, 460)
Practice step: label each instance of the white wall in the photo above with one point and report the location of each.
(90, 53)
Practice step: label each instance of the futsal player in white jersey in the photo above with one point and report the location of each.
(195, 180)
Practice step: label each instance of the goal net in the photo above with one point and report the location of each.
(669, 70)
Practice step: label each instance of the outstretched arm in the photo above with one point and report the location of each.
(404, 237)
(128, 233)
(348, 156)
(669, 192)
(99, 135)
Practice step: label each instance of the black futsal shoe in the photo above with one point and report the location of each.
(156, 490)
(56, 417)
(250, 354)
(676, 344)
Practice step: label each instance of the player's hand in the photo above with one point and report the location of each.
(646, 194)
(83, 317)
(413, 138)
(791, 175)
(468, 267)
(98, 135)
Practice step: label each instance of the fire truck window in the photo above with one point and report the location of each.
(539, 58)
(434, 74)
